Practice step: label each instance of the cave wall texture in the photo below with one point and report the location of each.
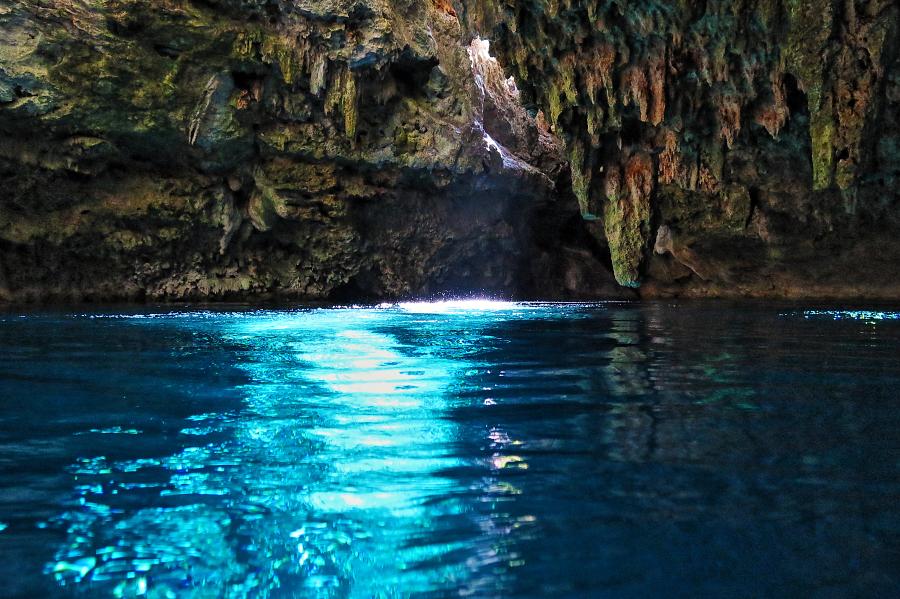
(342, 149)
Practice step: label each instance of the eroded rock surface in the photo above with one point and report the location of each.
(760, 138)
(221, 149)
(199, 149)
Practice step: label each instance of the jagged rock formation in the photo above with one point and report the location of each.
(755, 145)
(202, 150)
(212, 149)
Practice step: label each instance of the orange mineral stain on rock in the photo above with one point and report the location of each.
(445, 6)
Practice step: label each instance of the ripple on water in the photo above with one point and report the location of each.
(444, 448)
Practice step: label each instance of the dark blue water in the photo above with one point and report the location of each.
(469, 449)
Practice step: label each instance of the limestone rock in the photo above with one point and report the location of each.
(253, 148)
(782, 112)
(218, 149)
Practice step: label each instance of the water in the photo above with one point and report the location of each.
(464, 449)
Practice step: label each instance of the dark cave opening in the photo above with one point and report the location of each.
(794, 96)
(411, 74)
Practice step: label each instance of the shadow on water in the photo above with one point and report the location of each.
(482, 449)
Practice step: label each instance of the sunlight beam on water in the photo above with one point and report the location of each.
(341, 448)
(458, 448)
(380, 439)
(459, 306)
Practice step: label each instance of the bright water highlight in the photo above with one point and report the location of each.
(485, 449)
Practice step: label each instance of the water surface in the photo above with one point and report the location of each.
(451, 449)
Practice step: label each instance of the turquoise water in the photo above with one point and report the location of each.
(476, 449)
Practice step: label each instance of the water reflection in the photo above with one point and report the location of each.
(337, 471)
(479, 449)
(365, 414)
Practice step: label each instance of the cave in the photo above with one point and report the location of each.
(358, 298)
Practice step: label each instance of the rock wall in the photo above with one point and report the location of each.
(722, 147)
(344, 149)
(228, 149)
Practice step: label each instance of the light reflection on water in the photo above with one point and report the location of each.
(450, 448)
(871, 315)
